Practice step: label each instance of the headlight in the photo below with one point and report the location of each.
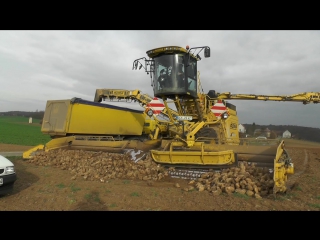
(224, 115)
(149, 112)
(10, 170)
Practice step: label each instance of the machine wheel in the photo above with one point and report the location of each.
(207, 133)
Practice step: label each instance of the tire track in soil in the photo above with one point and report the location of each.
(292, 180)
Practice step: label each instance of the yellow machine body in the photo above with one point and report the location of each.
(191, 135)
(77, 116)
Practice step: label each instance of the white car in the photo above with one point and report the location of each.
(7, 175)
(261, 137)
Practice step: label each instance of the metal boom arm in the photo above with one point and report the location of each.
(305, 98)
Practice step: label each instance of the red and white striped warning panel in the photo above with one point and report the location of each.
(218, 108)
(156, 106)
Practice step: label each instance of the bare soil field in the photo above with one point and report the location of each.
(42, 187)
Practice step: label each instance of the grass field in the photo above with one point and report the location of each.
(18, 130)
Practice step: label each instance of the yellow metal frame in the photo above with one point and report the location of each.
(281, 171)
(93, 143)
(201, 157)
(28, 154)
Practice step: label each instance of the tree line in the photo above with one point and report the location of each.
(35, 115)
(297, 132)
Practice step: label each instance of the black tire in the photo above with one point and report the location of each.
(207, 132)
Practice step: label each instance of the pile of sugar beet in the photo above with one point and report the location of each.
(102, 166)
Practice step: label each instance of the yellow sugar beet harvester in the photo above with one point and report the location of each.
(193, 131)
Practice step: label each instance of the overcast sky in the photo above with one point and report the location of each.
(36, 66)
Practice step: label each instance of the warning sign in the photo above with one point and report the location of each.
(156, 105)
(218, 108)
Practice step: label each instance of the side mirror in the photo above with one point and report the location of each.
(207, 52)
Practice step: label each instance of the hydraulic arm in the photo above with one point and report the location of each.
(305, 98)
(128, 95)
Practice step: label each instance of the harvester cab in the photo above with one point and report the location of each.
(173, 71)
(175, 80)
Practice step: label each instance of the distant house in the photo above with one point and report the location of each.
(242, 128)
(262, 132)
(257, 132)
(286, 134)
(267, 132)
